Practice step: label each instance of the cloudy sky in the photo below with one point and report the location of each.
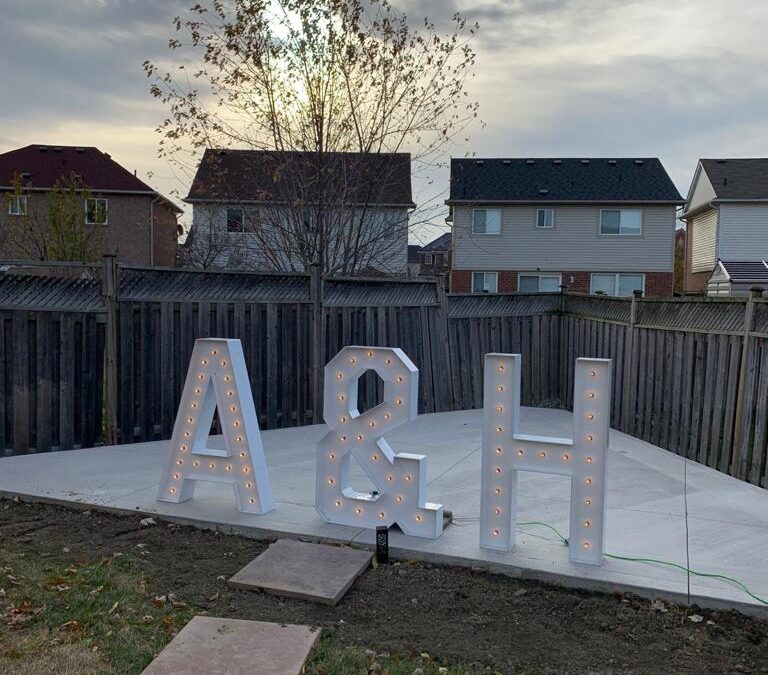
(675, 79)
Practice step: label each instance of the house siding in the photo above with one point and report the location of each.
(702, 191)
(703, 248)
(743, 232)
(574, 243)
(265, 251)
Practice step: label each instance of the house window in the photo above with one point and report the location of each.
(235, 220)
(427, 258)
(621, 221)
(622, 285)
(438, 259)
(538, 283)
(545, 218)
(486, 221)
(485, 282)
(17, 205)
(96, 211)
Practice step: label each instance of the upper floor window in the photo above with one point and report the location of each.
(427, 258)
(486, 221)
(545, 218)
(235, 219)
(485, 282)
(621, 221)
(96, 212)
(538, 283)
(17, 205)
(622, 285)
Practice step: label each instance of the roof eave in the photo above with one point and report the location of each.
(261, 202)
(523, 202)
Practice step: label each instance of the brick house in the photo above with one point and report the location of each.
(591, 225)
(135, 222)
(435, 257)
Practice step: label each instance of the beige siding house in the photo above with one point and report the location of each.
(591, 225)
(726, 216)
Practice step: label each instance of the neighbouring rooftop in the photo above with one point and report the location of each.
(738, 179)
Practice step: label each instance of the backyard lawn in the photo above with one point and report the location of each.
(86, 592)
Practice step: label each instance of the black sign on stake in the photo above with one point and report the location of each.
(382, 544)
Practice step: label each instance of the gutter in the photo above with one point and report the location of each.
(152, 231)
(557, 202)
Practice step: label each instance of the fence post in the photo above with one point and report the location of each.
(739, 447)
(442, 302)
(318, 340)
(628, 393)
(109, 290)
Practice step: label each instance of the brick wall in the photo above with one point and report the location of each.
(657, 284)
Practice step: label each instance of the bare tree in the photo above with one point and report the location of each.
(321, 77)
(51, 225)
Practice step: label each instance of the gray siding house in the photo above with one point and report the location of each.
(591, 225)
(726, 216)
(283, 211)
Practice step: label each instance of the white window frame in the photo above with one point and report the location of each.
(427, 258)
(619, 233)
(18, 201)
(242, 221)
(616, 278)
(485, 275)
(106, 210)
(484, 234)
(538, 275)
(552, 220)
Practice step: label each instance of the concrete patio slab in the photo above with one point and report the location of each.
(297, 569)
(727, 518)
(235, 647)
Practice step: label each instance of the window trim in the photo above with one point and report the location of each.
(242, 219)
(18, 199)
(545, 227)
(538, 275)
(616, 276)
(427, 258)
(619, 233)
(486, 234)
(484, 273)
(106, 210)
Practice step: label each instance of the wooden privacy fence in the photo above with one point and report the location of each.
(104, 358)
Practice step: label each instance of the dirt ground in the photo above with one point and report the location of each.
(455, 614)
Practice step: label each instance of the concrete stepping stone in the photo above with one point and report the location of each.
(235, 647)
(297, 569)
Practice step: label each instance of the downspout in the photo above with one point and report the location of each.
(152, 231)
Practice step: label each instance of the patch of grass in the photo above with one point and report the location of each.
(95, 614)
(330, 658)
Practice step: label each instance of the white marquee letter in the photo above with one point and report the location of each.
(217, 378)
(506, 451)
(400, 479)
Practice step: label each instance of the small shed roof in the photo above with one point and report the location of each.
(745, 271)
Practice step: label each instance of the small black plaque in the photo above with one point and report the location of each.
(382, 545)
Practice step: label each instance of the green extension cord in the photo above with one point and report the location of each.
(655, 561)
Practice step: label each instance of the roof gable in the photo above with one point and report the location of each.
(267, 177)
(442, 243)
(561, 180)
(46, 164)
(738, 179)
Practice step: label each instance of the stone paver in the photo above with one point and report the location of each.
(235, 647)
(297, 569)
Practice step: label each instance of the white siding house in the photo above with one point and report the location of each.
(727, 219)
(591, 225)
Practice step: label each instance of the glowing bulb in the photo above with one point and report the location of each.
(343, 438)
(246, 469)
(331, 481)
(500, 367)
(381, 514)
(587, 523)
(498, 469)
(341, 397)
(236, 423)
(339, 376)
(591, 394)
(499, 451)
(398, 379)
(358, 510)
(204, 362)
(338, 502)
(233, 408)
(499, 430)
(179, 462)
(176, 476)
(388, 361)
(374, 457)
(590, 438)
(198, 390)
(352, 359)
(214, 351)
(399, 499)
(194, 405)
(588, 502)
(223, 364)
(418, 518)
(590, 416)
(386, 416)
(497, 490)
(343, 420)
(195, 464)
(390, 477)
(239, 439)
(201, 377)
(249, 485)
(496, 533)
(566, 457)
(230, 393)
(588, 481)
(399, 401)
(589, 460)
(520, 453)
(370, 355)
(251, 501)
(371, 424)
(542, 454)
(585, 544)
(497, 512)
(499, 409)
(331, 456)
(227, 378)
(499, 389)
(228, 467)
(592, 373)
(408, 477)
(190, 419)
(172, 491)
(359, 437)
(183, 448)
(211, 466)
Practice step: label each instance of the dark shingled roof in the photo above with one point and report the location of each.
(738, 178)
(746, 270)
(263, 177)
(442, 243)
(561, 180)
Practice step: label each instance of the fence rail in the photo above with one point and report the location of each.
(689, 375)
